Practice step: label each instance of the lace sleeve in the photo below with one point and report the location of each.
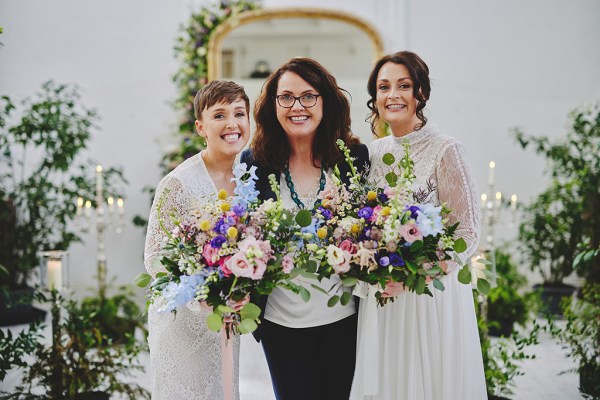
(170, 196)
(457, 188)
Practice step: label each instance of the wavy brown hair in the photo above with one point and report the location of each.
(270, 145)
(419, 73)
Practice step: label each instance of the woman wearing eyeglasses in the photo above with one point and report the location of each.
(300, 114)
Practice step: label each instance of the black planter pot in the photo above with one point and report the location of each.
(91, 396)
(552, 295)
(16, 308)
(589, 380)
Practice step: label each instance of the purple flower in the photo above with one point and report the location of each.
(365, 212)
(218, 241)
(396, 260)
(413, 211)
(325, 213)
(239, 210)
(218, 226)
(384, 261)
(383, 197)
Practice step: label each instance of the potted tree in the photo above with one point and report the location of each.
(41, 177)
(82, 362)
(563, 216)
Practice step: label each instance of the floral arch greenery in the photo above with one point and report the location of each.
(191, 49)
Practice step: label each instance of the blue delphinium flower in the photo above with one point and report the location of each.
(179, 294)
(245, 188)
(429, 220)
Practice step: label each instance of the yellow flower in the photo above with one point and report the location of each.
(225, 206)
(385, 210)
(222, 194)
(232, 232)
(371, 195)
(322, 233)
(355, 228)
(325, 202)
(204, 225)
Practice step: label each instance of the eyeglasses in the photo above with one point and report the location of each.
(306, 100)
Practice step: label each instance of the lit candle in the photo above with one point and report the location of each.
(79, 206)
(121, 206)
(491, 173)
(498, 199)
(54, 274)
(483, 200)
(99, 182)
(513, 202)
(88, 209)
(111, 205)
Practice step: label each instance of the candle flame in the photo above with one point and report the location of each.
(80, 202)
(88, 204)
(498, 195)
(513, 198)
(110, 200)
(98, 168)
(120, 202)
(483, 197)
(492, 164)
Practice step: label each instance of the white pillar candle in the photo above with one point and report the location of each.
(111, 205)
(79, 206)
(121, 206)
(491, 173)
(54, 274)
(498, 199)
(513, 202)
(88, 209)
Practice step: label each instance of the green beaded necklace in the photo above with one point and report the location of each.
(290, 185)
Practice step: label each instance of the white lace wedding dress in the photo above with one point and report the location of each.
(185, 355)
(421, 347)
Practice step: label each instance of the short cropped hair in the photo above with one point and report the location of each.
(219, 91)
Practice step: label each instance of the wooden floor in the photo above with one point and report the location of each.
(542, 379)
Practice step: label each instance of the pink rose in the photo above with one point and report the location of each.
(376, 212)
(239, 265)
(210, 254)
(287, 263)
(348, 246)
(223, 266)
(411, 233)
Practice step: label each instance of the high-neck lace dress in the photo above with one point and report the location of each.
(185, 356)
(420, 347)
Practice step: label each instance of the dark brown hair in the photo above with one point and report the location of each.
(419, 73)
(270, 145)
(218, 92)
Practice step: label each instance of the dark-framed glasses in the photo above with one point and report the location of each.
(306, 100)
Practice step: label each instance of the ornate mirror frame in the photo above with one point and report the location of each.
(216, 40)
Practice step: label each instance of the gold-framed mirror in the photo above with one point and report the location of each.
(248, 46)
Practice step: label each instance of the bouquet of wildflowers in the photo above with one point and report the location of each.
(382, 235)
(225, 253)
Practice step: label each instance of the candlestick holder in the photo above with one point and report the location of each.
(108, 215)
(493, 211)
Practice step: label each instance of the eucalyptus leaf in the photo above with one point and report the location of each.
(345, 299)
(214, 322)
(460, 245)
(333, 301)
(349, 281)
(319, 288)
(464, 275)
(304, 293)
(420, 286)
(304, 218)
(438, 285)
(388, 159)
(222, 309)
(250, 311)
(143, 279)
(247, 326)
(391, 179)
(483, 286)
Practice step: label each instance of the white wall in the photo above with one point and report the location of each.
(494, 65)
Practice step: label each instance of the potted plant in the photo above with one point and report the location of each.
(581, 335)
(564, 215)
(41, 178)
(81, 362)
(506, 306)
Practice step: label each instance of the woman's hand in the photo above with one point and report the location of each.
(393, 289)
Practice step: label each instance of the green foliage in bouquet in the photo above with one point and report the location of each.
(41, 176)
(562, 226)
(81, 361)
(192, 49)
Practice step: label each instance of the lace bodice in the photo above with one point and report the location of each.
(442, 176)
(185, 355)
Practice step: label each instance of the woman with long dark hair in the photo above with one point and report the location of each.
(300, 114)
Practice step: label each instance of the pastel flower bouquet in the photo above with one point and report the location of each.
(225, 253)
(382, 235)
